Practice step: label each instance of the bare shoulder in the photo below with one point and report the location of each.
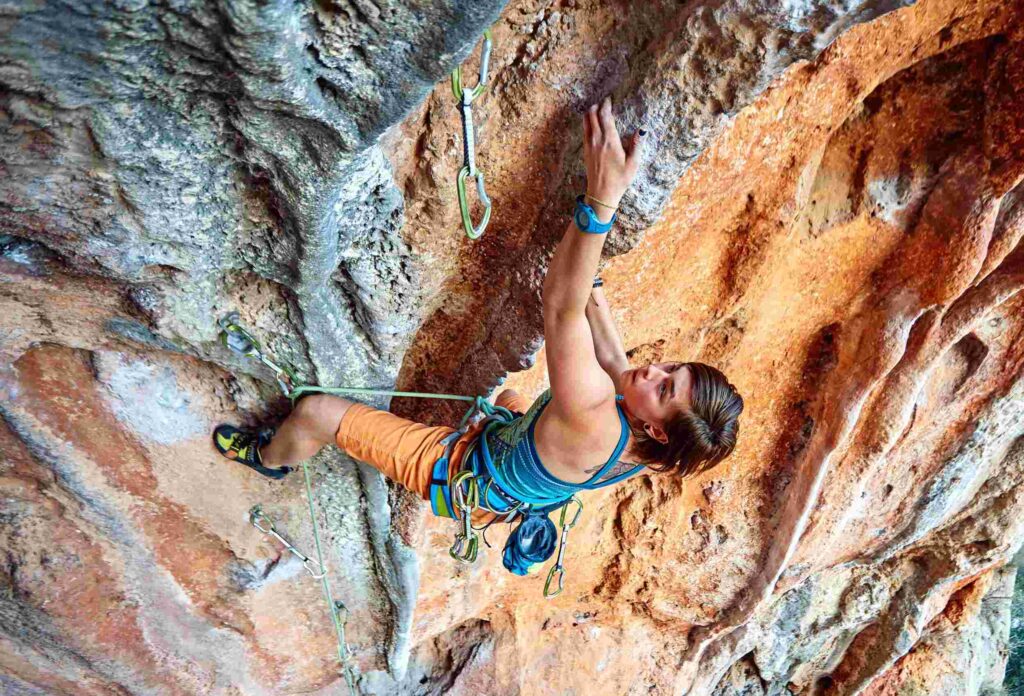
(569, 446)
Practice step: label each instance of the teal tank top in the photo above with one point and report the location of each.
(507, 453)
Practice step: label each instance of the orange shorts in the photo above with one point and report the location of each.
(405, 451)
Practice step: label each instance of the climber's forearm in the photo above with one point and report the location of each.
(571, 272)
(611, 354)
(611, 166)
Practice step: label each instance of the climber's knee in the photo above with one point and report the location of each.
(513, 401)
(320, 414)
(505, 397)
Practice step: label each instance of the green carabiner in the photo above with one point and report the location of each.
(238, 340)
(473, 231)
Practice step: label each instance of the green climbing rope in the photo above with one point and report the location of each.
(344, 655)
(240, 341)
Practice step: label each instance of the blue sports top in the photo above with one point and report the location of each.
(507, 453)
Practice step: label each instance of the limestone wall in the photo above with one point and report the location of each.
(831, 214)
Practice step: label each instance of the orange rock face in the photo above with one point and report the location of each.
(847, 252)
(840, 236)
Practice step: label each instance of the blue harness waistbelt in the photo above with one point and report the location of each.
(440, 490)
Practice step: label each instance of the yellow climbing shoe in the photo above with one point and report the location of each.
(244, 447)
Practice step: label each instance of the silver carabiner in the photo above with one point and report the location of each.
(240, 341)
(558, 568)
(467, 543)
(485, 59)
(312, 567)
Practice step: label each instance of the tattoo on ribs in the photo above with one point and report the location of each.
(615, 471)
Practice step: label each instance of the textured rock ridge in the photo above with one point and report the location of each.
(831, 214)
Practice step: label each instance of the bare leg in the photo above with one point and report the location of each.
(308, 428)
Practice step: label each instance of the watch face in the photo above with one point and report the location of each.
(581, 220)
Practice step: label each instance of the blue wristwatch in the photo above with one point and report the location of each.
(586, 219)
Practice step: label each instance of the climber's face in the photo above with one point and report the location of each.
(655, 393)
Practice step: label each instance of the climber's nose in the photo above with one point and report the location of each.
(652, 371)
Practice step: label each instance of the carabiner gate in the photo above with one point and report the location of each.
(256, 516)
(477, 231)
(485, 59)
(238, 340)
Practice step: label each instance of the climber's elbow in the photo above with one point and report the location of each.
(559, 299)
(559, 310)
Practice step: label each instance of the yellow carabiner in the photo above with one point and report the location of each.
(561, 582)
(240, 341)
(466, 544)
(236, 339)
(473, 231)
(465, 552)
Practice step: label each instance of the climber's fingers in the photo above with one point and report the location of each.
(634, 152)
(594, 138)
(612, 162)
(609, 133)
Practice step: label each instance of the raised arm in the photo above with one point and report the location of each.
(578, 382)
(611, 355)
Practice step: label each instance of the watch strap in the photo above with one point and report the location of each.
(586, 219)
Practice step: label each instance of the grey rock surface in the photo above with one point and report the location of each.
(164, 163)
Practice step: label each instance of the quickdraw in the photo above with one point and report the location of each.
(240, 341)
(266, 525)
(465, 98)
(558, 568)
(335, 608)
(466, 543)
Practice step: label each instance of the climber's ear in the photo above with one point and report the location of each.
(656, 433)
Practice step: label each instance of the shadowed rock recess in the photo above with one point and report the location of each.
(830, 212)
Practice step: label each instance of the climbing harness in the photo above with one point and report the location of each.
(465, 98)
(266, 525)
(558, 567)
(531, 542)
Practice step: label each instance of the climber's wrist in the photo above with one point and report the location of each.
(604, 204)
(588, 220)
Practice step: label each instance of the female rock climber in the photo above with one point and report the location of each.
(599, 423)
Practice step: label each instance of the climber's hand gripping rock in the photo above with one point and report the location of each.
(611, 163)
